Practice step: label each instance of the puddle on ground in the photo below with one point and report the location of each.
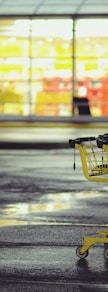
(22, 213)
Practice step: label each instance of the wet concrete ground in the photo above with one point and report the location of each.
(46, 208)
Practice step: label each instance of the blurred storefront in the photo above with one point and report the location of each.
(43, 61)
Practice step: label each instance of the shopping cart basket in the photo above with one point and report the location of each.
(94, 157)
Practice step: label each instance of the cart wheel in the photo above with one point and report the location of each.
(105, 245)
(81, 255)
(106, 253)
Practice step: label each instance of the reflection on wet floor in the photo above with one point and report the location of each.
(10, 222)
(20, 213)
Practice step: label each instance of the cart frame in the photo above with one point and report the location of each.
(94, 157)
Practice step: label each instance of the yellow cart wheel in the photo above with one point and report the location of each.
(81, 255)
(106, 253)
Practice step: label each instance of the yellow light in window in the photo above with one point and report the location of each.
(87, 48)
(6, 84)
(12, 40)
(40, 43)
(49, 40)
(4, 43)
(65, 46)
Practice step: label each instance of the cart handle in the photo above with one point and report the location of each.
(102, 139)
(72, 142)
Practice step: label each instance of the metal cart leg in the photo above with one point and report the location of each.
(82, 251)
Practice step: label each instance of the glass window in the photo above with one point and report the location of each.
(14, 37)
(35, 66)
(15, 97)
(52, 65)
(14, 66)
(91, 65)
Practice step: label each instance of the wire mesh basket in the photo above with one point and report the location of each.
(94, 159)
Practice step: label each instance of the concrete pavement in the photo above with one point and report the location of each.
(42, 256)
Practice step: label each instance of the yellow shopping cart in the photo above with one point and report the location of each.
(94, 157)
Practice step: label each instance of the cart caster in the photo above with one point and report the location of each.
(106, 253)
(81, 255)
(105, 245)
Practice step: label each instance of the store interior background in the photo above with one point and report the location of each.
(44, 61)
